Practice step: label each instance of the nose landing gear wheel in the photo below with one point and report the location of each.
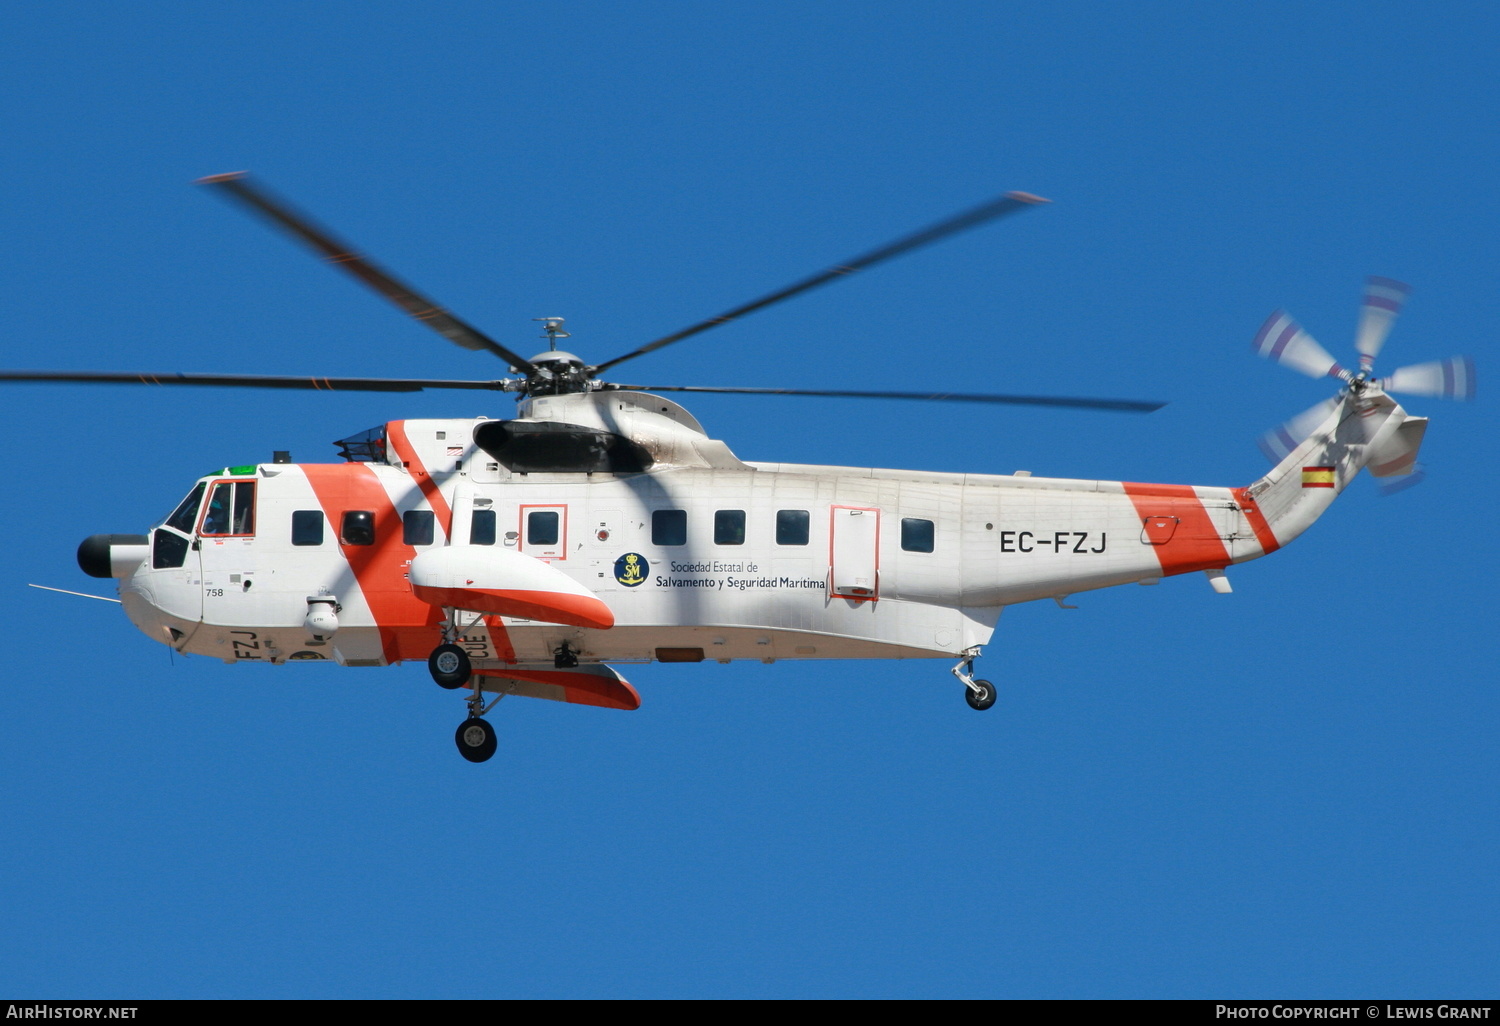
(449, 666)
(475, 739)
(982, 699)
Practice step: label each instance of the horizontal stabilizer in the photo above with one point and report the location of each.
(592, 684)
(1395, 455)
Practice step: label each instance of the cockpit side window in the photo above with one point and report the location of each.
(244, 508)
(186, 514)
(216, 517)
(168, 550)
(230, 511)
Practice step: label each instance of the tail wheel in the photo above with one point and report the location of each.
(449, 666)
(475, 739)
(981, 699)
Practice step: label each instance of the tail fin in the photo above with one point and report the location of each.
(1362, 429)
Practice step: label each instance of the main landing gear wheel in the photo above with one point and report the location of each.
(981, 699)
(475, 739)
(449, 666)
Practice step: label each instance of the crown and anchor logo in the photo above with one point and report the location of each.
(631, 568)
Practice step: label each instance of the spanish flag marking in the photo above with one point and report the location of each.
(1317, 477)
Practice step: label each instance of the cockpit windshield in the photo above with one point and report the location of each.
(186, 514)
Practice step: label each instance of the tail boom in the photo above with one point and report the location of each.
(1362, 429)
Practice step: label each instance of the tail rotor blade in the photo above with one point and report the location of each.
(1384, 298)
(1443, 379)
(1279, 443)
(1283, 340)
(1392, 485)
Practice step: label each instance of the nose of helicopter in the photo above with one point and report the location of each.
(162, 607)
(139, 601)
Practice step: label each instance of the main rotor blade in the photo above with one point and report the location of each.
(1384, 298)
(341, 255)
(1283, 340)
(1010, 203)
(1121, 405)
(251, 381)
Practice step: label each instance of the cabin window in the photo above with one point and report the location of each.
(358, 527)
(186, 514)
(917, 535)
(542, 527)
(482, 527)
(307, 527)
(669, 527)
(168, 550)
(417, 527)
(791, 526)
(230, 510)
(729, 527)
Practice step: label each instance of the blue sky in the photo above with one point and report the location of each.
(1286, 791)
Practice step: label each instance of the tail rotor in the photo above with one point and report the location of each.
(1283, 340)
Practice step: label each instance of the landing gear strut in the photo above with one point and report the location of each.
(451, 668)
(980, 694)
(475, 737)
(449, 664)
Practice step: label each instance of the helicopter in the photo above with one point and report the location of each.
(601, 525)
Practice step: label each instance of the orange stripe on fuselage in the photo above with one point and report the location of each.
(409, 627)
(1257, 520)
(1196, 544)
(501, 637)
(395, 432)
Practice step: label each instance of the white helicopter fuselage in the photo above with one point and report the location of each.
(696, 557)
(602, 525)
